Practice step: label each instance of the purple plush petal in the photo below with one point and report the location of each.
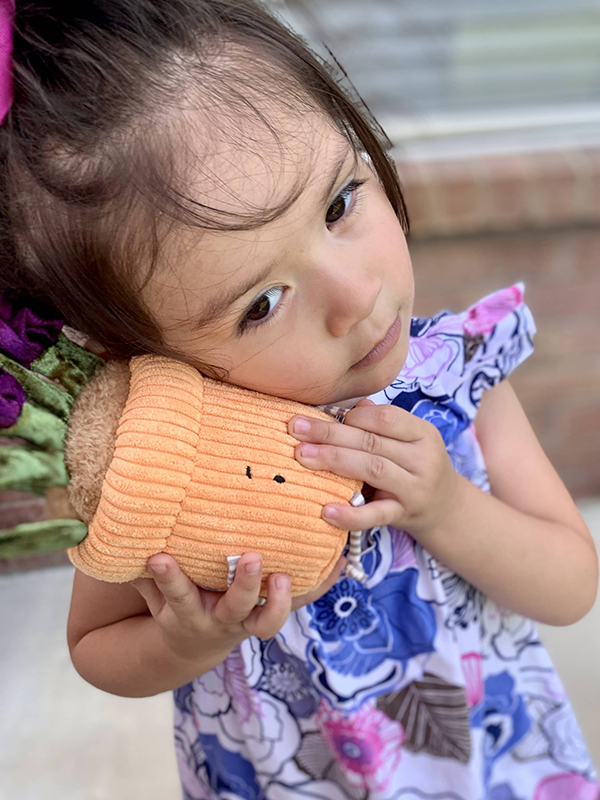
(12, 397)
(27, 327)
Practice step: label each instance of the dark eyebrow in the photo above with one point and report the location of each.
(335, 172)
(216, 307)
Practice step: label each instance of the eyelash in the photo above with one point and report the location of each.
(346, 192)
(246, 324)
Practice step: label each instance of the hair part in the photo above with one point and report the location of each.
(91, 181)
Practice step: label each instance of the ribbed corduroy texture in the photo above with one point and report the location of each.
(197, 473)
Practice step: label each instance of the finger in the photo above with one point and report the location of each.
(373, 515)
(378, 430)
(239, 600)
(180, 594)
(386, 420)
(151, 593)
(379, 472)
(323, 588)
(265, 621)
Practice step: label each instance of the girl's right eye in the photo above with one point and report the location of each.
(262, 308)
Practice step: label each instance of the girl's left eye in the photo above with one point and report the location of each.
(262, 308)
(341, 204)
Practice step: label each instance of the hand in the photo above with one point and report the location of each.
(194, 620)
(401, 456)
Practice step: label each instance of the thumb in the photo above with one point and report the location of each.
(364, 402)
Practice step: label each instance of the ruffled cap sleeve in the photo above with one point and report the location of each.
(454, 358)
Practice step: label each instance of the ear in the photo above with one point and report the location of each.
(90, 441)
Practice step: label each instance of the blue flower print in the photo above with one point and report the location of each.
(344, 612)
(229, 772)
(502, 715)
(448, 417)
(288, 679)
(368, 626)
(503, 791)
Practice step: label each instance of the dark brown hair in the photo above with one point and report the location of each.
(88, 180)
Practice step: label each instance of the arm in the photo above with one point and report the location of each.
(139, 640)
(526, 546)
(119, 646)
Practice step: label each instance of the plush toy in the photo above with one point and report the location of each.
(164, 460)
(160, 459)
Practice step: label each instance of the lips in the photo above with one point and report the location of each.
(383, 347)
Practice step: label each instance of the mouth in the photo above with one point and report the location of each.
(382, 348)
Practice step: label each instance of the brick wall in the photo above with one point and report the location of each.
(480, 224)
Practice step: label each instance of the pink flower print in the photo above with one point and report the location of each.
(245, 700)
(403, 548)
(429, 356)
(483, 317)
(194, 787)
(566, 785)
(366, 744)
(471, 667)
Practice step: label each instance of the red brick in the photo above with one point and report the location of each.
(508, 194)
(16, 512)
(553, 188)
(593, 157)
(585, 266)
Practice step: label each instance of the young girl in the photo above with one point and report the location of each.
(184, 177)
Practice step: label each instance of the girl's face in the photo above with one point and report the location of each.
(314, 306)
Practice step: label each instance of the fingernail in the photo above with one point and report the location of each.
(301, 425)
(309, 450)
(252, 567)
(331, 511)
(158, 569)
(282, 582)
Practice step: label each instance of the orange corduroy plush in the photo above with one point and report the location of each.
(203, 471)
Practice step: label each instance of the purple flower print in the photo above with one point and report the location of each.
(287, 678)
(429, 356)
(12, 397)
(27, 327)
(366, 744)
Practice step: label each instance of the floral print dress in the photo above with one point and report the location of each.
(413, 686)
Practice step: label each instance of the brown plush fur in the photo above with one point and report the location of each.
(90, 442)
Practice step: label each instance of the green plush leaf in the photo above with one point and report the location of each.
(24, 470)
(41, 537)
(40, 427)
(40, 391)
(69, 364)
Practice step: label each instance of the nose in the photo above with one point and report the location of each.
(349, 297)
